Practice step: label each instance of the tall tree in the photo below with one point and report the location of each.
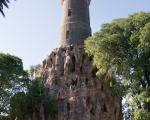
(34, 103)
(12, 79)
(21, 95)
(121, 49)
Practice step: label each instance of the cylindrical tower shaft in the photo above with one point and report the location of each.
(76, 22)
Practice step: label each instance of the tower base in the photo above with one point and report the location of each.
(70, 77)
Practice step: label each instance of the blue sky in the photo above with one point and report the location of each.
(31, 27)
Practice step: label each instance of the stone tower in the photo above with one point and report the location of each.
(70, 76)
(76, 22)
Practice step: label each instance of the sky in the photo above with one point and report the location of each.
(31, 28)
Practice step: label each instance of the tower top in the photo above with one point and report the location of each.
(75, 26)
(87, 1)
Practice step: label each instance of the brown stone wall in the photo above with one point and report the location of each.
(70, 77)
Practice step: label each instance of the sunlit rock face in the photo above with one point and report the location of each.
(70, 77)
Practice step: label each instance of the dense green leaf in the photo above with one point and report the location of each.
(122, 48)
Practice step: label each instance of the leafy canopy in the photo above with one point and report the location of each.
(12, 79)
(24, 104)
(121, 49)
(21, 94)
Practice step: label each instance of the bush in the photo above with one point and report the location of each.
(141, 115)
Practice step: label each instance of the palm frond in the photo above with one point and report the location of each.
(2, 4)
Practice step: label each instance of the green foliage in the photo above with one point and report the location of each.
(18, 106)
(36, 93)
(21, 96)
(144, 96)
(32, 69)
(4, 118)
(50, 105)
(118, 89)
(121, 49)
(11, 69)
(25, 104)
(142, 115)
(12, 79)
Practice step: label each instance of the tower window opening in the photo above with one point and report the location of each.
(69, 12)
(67, 34)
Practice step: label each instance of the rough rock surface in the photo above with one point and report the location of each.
(70, 77)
